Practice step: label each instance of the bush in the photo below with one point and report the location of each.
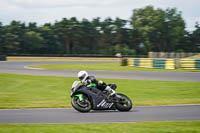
(124, 49)
(3, 58)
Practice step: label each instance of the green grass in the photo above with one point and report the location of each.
(105, 66)
(23, 91)
(139, 127)
(24, 58)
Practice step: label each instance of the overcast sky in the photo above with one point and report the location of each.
(43, 11)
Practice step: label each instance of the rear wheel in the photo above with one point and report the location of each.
(124, 103)
(83, 105)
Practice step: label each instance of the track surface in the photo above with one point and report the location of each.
(66, 115)
(18, 68)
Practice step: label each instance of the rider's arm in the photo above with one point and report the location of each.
(92, 79)
(100, 84)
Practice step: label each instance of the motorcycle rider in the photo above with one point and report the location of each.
(90, 81)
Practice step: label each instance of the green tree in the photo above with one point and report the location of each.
(123, 49)
(13, 37)
(175, 29)
(1, 37)
(160, 30)
(33, 41)
(149, 29)
(106, 36)
(68, 31)
(10, 46)
(51, 44)
(121, 32)
(195, 39)
(87, 39)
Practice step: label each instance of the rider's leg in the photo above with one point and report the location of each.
(110, 90)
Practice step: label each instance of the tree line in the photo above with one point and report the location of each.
(148, 29)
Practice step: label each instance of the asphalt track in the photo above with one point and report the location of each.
(19, 68)
(68, 115)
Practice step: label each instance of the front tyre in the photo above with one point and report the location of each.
(83, 105)
(124, 103)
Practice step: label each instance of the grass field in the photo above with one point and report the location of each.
(23, 91)
(105, 66)
(139, 127)
(18, 58)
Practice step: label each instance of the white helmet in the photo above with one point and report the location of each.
(82, 75)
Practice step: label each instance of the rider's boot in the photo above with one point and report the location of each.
(111, 92)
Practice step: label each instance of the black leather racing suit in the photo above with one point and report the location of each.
(92, 82)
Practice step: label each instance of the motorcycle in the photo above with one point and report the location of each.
(86, 98)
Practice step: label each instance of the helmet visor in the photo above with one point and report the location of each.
(82, 77)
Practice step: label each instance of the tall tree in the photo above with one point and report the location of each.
(121, 32)
(87, 38)
(13, 37)
(149, 29)
(33, 41)
(106, 36)
(1, 37)
(160, 30)
(68, 31)
(51, 44)
(195, 39)
(175, 29)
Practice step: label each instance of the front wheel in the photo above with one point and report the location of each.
(81, 105)
(124, 103)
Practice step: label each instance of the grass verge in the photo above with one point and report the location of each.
(139, 127)
(14, 58)
(105, 66)
(23, 91)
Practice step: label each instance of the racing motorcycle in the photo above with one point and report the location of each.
(86, 98)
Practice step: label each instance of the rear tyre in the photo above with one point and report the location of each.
(81, 106)
(125, 104)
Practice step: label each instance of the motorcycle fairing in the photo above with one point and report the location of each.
(97, 97)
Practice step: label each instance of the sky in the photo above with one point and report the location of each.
(45, 11)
